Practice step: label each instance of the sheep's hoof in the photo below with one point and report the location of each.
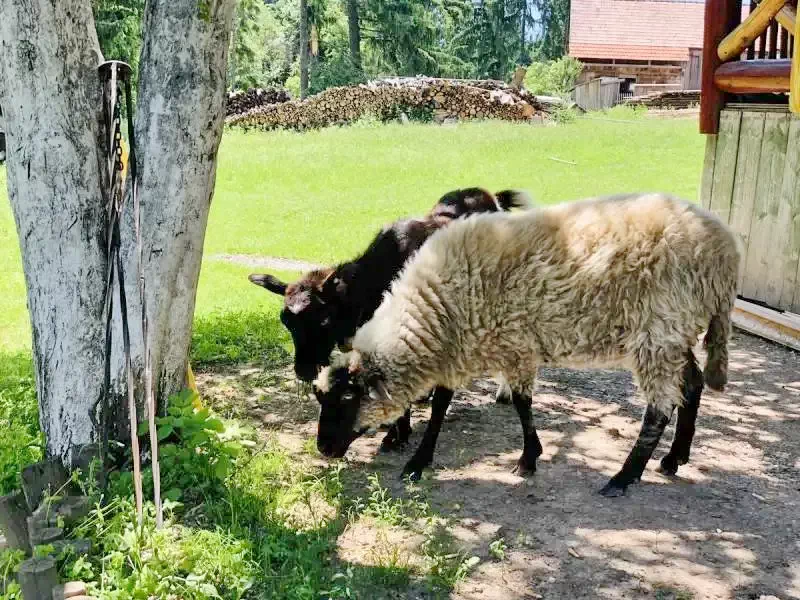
(617, 486)
(523, 469)
(392, 444)
(613, 489)
(669, 465)
(412, 471)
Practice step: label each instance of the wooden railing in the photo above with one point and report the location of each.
(748, 49)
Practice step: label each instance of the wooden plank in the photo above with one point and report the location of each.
(787, 17)
(794, 85)
(767, 323)
(707, 182)
(721, 16)
(796, 302)
(754, 76)
(788, 225)
(781, 108)
(748, 30)
(745, 181)
(762, 279)
(773, 40)
(725, 163)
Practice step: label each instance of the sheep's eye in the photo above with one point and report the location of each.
(348, 396)
(325, 322)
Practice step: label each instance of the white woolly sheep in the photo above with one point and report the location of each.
(629, 280)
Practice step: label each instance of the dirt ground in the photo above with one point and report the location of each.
(728, 526)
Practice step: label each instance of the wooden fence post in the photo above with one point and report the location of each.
(721, 17)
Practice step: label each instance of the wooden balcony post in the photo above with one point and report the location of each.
(721, 17)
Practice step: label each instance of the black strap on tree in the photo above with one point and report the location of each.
(116, 75)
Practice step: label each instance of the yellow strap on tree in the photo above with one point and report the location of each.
(192, 385)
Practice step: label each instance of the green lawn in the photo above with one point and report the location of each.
(320, 196)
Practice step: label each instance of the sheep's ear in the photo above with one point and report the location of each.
(269, 282)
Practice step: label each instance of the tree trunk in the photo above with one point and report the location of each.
(51, 96)
(354, 29)
(303, 49)
(179, 117)
(50, 93)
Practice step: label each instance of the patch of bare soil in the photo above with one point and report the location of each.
(727, 527)
(267, 262)
(674, 113)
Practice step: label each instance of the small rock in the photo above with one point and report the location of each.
(3, 543)
(72, 589)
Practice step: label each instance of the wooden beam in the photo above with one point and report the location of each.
(783, 328)
(787, 17)
(753, 76)
(721, 17)
(794, 84)
(748, 31)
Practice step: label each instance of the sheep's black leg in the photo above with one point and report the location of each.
(532, 448)
(398, 434)
(692, 389)
(653, 426)
(424, 454)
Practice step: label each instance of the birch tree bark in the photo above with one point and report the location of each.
(179, 118)
(50, 93)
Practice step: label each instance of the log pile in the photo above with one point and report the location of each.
(443, 99)
(674, 100)
(239, 102)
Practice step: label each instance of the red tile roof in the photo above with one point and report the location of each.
(635, 29)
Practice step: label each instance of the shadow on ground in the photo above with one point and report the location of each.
(727, 527)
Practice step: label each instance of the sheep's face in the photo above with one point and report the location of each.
(339, 396)
(352, 401)
(314, 315)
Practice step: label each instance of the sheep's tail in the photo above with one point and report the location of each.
(716, 343)
(508, 199)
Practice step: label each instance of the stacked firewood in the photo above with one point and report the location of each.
(239, 102)
(443, 99)
(675, 100)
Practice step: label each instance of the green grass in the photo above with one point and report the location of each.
(320, 195)
(14, 325)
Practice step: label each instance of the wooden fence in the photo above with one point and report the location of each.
(751, 180)
(598, 94)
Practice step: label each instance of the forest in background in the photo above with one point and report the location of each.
(340, 42)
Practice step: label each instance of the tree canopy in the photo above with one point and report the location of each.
(444, 38)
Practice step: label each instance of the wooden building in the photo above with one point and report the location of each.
(653, 45)
(750, 114)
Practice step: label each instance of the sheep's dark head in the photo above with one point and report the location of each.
(314, 312)
(353, 400)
